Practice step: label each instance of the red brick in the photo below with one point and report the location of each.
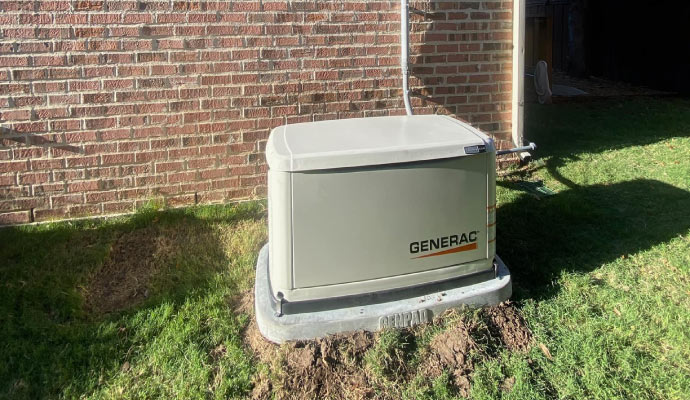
(85, 210)
(49, 87)
(16, 217)
(138, 18)
(14, 61)
(34, 178)
(115, 159)
(50, 214)
(54, 5)
(19, 33)
(100, 123)
(169, 166)
(181, 177)
(214, 173)
(118, 207)
(182, 200)
(47, 164)
(51, 113)
(215, 78)
(83, 186)
(64, 99)
(39, 61)
(195, 187)
(8, 180)
(25, 101)
(13, 166)
(225, 183)
(103, 45)
(9, 115)
(66, 199)
(89, 32)
(88, 5)
(98, 98)
(82, 161)
(201, 163)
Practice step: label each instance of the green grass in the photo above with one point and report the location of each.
(601, 274)
(601, 268)
(183, 341)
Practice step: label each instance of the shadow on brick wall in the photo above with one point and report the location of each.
(461, 63)
(31, 139)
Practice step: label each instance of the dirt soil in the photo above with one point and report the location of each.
(450, 351)
(334, 367)
(124, 279)
(506, 322)
(330, 367)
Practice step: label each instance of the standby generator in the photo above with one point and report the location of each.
(376, 222)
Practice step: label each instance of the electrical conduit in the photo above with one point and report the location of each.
(404, 51)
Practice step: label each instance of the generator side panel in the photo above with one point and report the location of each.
(359, 225)
(280, 230)
(491, 205)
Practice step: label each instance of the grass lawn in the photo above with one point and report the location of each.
(144, 306)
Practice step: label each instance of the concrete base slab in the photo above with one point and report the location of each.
(395, 314)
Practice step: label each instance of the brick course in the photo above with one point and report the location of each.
(105, 105)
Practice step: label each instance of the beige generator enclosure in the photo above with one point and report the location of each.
(374, 210)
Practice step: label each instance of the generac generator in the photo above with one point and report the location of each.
(377, 222)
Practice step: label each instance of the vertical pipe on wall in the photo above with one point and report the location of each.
(404, 50)
(518, 87)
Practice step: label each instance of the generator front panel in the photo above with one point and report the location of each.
(362, 224)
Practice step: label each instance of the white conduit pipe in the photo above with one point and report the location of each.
(404, 50)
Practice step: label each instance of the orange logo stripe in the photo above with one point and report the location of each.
(467, 247)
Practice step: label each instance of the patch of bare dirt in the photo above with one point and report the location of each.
(334, 367)
(124, 278)
(450, 351)
(331, 367)
(506, 322)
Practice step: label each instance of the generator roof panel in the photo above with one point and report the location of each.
(362, 142)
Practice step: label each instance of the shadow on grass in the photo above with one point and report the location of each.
(564, 131)
(51, 344)
(583, 228)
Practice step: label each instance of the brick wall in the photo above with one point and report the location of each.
(105, 105)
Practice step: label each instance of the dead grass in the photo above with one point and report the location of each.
(123, 280)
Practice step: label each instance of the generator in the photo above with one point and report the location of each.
(375, 223)
(380, 222)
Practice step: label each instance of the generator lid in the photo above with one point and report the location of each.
(362, 142)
